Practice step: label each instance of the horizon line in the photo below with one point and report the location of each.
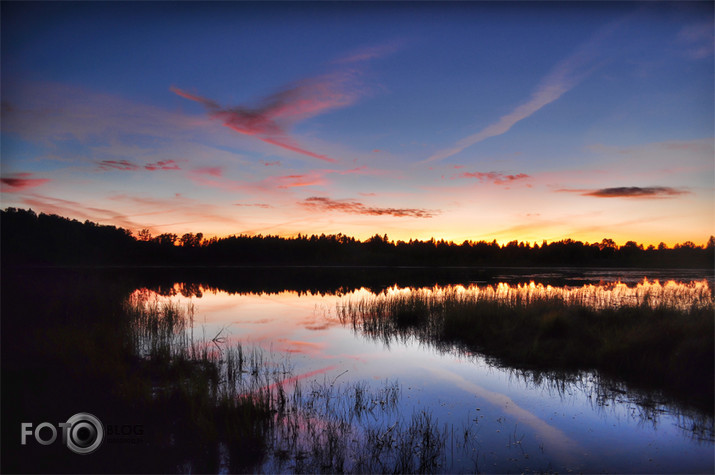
(501, 242)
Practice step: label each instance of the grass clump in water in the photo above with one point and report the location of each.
(660, 336)
(225, 407)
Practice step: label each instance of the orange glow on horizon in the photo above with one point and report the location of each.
(392, 237)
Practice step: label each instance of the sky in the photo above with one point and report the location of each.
(459, 121)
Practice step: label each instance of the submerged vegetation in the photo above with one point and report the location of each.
(29, 238)
(655, 335)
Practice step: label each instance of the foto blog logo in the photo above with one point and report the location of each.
(82, 433)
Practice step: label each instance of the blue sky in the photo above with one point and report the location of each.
(524, 121)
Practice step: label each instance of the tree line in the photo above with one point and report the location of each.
(28, 238)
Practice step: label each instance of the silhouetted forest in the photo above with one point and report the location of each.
(31, 239)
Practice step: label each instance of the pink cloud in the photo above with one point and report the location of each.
(117, 165)
(651, 192)
(163, 165)
(266, 185)
(320, 203)
(363, 170)
(20, 182)
(492, 177)
(254, 205)
(276, 163)
(212, 171)
(291, 181)
(270, 119)
(210, 177)
(372, 52)
(126, 165)
(284, 143)
(223, 184)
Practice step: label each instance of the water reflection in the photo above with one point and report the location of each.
(651, 334)
(672, 294)
(509, 419)
(344, 280)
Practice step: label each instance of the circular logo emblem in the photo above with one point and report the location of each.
(85, 433)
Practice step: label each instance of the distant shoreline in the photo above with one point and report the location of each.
(29, 239)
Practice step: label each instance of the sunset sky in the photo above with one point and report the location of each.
(538, 121)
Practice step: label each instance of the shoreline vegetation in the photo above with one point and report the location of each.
(50, 240)
(251, 413)
(202, 403)
(230, 407)
(224, 406)
(656, 336)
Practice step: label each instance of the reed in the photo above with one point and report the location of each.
(652, 334)
(231, 408)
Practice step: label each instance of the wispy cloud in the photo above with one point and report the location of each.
(162, 165)
(21, 182)
(212, 177)
(630, 192)
(371, 52)
(75, 209)
(292, 181)
(253, 205)
(492, 177)
(212, 171)
(203, 177)
(696, 40)
(157, 213)
(126, 165)
(355, 207)
(698, 147)
(118, 165)
(562, 78)
(50, 113)
(289, 144)
(273, 115)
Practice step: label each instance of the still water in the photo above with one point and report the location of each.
(514, 421)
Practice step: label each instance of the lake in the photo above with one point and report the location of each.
(515, 421)
(398, 392)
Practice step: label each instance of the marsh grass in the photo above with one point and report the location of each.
(223, 406)
(658, 336)
(226, 407)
